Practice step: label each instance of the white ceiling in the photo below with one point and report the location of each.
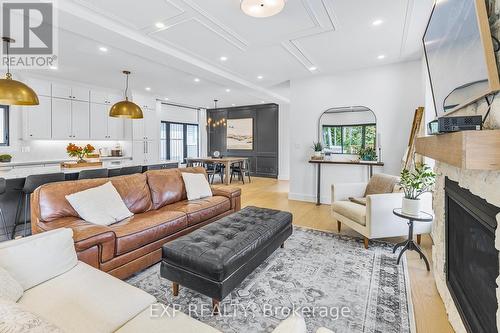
(332, 35)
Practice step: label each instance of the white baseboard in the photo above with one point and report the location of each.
(283, 177)
(308, 198)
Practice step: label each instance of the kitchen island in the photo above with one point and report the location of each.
(15, 174)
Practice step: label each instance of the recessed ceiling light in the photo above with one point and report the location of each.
(196, 80)
(54, 68)
(223, 58)
(260, 77)
(377, 22)
(313, 68)
(148, 88)
(160, 25)
(380, 57)
(228, 90)
(103, 49)
(233, 104)
(262, 102)
(166, 98)
(260, 8)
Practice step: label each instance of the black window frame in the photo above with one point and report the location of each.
(363, 134)
(6, 111)
(184, 138)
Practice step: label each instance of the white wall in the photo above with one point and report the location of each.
(393, 92)
(284, 142)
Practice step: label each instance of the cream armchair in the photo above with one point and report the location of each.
(375, 220)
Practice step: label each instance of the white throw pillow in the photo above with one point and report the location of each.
(197, 186)
(10, 289)
(35, 259)
(100, 205)
(14, 318)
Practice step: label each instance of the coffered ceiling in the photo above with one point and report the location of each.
(171, 42)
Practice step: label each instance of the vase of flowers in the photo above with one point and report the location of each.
(79, 152)
(318, 149)
(414, 184)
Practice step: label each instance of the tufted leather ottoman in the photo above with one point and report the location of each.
(214, 259)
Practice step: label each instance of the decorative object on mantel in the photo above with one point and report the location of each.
(417, 128)
(318, 151)
(5, 158)
(414, 183)
(469, 150)
(79, 152)
(367, 154)
(13, 92)
(126, 108)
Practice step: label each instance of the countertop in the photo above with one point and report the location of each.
(37, 169)
(48, 162)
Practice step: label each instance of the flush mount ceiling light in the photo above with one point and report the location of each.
(380, 57)
(377, 22)
(103, 49)
(14, 92)
(126, 109)
(262, 8)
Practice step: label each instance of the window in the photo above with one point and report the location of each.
(348, 139)
(178, 141)
(4, 125)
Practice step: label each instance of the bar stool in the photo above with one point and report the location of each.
(130, 170)
(93, 173)
(31, 183)
(3, 187)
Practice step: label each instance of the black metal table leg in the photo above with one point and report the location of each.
(398, 245)
(318, 190)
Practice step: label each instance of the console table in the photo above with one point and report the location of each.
(320, 162)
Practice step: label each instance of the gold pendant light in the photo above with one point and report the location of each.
(14, 92)
(126, 109)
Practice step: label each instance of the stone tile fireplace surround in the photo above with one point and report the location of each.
(484, 184)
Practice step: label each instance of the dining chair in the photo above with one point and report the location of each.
(214, 169)
(31, 183)
(241, 169)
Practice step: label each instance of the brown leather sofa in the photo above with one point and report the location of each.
(161, 213)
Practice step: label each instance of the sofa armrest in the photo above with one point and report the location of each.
(232, 193)
(293, 324)
(85, 235)
(342, 191)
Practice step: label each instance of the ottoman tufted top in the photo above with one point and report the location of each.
(218, 249)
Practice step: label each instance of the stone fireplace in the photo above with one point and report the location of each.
(482, 186)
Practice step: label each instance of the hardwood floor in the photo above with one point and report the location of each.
(430, 314)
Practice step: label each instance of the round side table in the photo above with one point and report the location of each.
(410, 245)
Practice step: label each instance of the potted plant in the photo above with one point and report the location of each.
(367, 154)
(414, 184)
(5, 158)
(79, 152)
(318, 149)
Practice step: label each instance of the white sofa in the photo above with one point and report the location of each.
(375, 220)
(44, 288)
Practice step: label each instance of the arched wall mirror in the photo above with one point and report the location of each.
(345, 130)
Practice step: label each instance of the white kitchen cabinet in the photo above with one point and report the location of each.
(38, 119)
(98, 121)
(145, 151)
(80, 120)
(70, 119)
(147, 128)
(61, 119)
(104, 127)
(103, 97)
(67, 92)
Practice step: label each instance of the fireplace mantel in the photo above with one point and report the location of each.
(469, 150)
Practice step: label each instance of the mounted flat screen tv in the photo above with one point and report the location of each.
(459, 53)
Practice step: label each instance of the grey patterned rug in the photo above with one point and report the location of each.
(329, 279)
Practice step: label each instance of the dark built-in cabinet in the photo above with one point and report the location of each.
(264, 155)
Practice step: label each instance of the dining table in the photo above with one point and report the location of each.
(226, 161)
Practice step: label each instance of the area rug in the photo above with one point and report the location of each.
(329, 279)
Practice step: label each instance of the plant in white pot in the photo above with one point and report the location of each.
(318, 149)
(415, 183)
